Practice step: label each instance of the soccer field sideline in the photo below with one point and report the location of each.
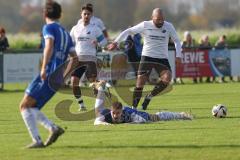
(203, 138)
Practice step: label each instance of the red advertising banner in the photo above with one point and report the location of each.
(195, 63)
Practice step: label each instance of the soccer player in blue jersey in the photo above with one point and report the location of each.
(58, 46)
(119, 114)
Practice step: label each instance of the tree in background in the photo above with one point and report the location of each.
(25, 15)
(32, 18)
(10, 17)
(221, 13)
(117, 14)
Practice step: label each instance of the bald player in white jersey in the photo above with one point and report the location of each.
(156, 34)
(86, 37)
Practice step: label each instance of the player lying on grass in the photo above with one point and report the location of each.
(119, 114)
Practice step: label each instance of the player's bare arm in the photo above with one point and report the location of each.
(47, 54)
(72, 65)
(112, 46)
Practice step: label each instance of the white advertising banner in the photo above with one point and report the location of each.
(235, 62)
(20, 67)
(23, 67)
(171, 58)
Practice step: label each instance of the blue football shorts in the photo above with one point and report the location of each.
(40, 91)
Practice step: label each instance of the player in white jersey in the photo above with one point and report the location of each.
(96, 21)
(156, 34)
(119, 114)
(86, 37)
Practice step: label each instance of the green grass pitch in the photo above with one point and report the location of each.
(204, 138)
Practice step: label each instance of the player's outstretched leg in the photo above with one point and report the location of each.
(157, 89)
(77, 93)
(167, 116)
(137, 94)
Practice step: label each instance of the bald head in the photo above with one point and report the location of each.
(157, 11)
(157, 17)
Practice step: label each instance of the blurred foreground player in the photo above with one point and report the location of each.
(58, 45)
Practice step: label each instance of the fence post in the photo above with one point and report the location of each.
(1, 71)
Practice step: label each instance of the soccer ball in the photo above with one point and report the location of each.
(219, 111)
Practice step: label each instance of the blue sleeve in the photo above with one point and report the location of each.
(138, 44)
(128, 44)
(129, 110)
(48, 32)
(140, 113)
(100, 38)
(136, 116)
(102, 41)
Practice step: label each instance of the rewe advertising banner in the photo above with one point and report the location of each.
(200, 63)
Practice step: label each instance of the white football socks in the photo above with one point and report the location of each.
(167, 116)
(29, 119)
(99, 103)
(80, 102)
(44, 121)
